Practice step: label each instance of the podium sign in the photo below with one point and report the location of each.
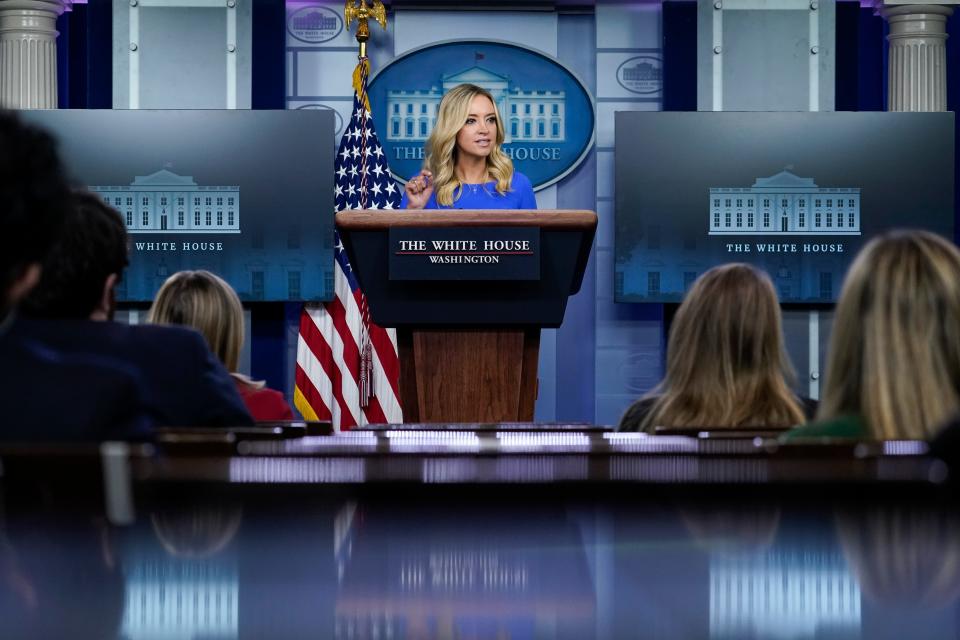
(464, 253)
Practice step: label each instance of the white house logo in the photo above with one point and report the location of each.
(314, 24)
(641, 74)
(164, 202)
(784, 204)
(338, 119)
(547, 112)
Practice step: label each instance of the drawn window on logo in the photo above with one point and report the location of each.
(526, 109)
(826, 284)
(145, 201)
(541, 128)
(257, 284)
(750, 219)
(840, 219)
(526, 128)
(146, 218)
(851, 219)
(802, 220)
(230, 218)
(219, 218)
(293, 284)
(817, 220)
(409, 128)
(209, 218)
(716, 218)
(739, 219)
(653, 283)
(766, 219)
(829, 202)
(727, 202)
(129, 218)
(829, 218)
(556, 109)
(726, 219)
(739, 202)
(514, 127)
(179, 218)
(423, 127)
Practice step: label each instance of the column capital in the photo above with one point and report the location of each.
(50, 6)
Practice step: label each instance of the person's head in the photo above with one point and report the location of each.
(895, 350)
(81, 273)
(726, 364)
(201, 300)
(33, 201)
(468, 124)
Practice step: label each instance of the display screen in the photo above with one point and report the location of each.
(795, 193)
(247, 195)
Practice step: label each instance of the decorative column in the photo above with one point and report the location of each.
(917, 70)
(28, 53)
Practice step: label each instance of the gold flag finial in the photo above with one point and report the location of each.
(361, 12)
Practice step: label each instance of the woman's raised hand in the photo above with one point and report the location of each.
(419, 189)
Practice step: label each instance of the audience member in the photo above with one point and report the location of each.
(72, 307)
(45, 395)
(893, 370)
(201, 300)
(726, 364)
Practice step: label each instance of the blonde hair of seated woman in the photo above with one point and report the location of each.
(726, 363)
(894, 357)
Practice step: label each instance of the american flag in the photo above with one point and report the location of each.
(348, 370)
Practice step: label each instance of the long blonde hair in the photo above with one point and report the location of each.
(202, 300)
(895, 349)
(442, 145)
(726, 364)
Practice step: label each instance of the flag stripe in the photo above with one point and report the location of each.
(320, 325)
(306, 396)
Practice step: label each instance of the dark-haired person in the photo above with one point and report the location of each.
(466, 167)
(71, 309)
(45, 395)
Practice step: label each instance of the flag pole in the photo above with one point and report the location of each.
(361, 12)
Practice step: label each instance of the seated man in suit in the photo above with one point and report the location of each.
(45, 395)
(71, 310)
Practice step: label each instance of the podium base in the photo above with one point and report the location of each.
(468, 375)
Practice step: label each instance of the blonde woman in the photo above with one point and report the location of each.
(726, 364)
(201, 300)
(894, 366)
(465, 166)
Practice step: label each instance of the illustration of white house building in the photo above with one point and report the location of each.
(642, 72)
(528, 116)
(785, 204)
(170, 203)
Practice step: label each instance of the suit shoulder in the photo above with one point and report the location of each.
(168, 334)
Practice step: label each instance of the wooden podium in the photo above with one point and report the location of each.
(468, 345)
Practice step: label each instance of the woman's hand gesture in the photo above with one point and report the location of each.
(419, 189)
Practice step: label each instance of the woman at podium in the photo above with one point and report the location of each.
(466, 167)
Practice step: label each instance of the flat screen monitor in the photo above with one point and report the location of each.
(247, 195)
(795, 193)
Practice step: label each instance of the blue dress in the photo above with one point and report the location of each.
(485, 196)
